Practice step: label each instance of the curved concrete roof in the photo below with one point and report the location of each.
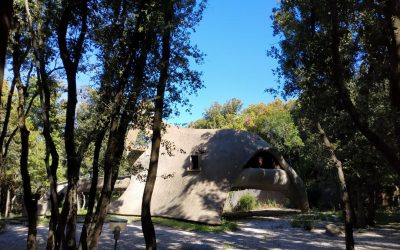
(183, 193)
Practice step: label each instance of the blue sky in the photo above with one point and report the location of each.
(235, 35)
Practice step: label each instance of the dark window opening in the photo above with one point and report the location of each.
(194, 163)
(263, 160)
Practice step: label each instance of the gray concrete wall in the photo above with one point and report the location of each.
(199, 195)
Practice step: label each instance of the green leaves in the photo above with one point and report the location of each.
(273, 122)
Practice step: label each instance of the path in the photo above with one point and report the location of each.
(254, 233)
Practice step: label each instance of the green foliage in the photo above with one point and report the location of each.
(309, 220)
(387, 216)
(273, 122)
(305, 224)
(221, 116)
(43, 220)
(246, 203)
(306, 72)
(197, 227)
(268, 204)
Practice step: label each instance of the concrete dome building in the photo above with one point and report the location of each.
(199, 167)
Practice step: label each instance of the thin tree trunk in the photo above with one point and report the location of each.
(147, 224)
(360, 209)
(8, 201)
(87, 237)
(78, 202)
(6, 13)
(83, 243)
(70, 57)
(4, 150)
(51, 150)
(119, 126)
(7, 115)
(111, 162)
(83, 201)
(392, 16)
(12, 202)
(115, 149)
(371, 206)
(347, 209)
(29, 200)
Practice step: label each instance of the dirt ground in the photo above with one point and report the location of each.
(253, 233)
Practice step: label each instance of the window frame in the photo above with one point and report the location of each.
(191, 163)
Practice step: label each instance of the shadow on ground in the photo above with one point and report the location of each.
(254, 233)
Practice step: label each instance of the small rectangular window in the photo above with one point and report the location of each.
(194, 163)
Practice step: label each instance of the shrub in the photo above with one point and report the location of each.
(305, 224)
(246, 202)
(269, 204)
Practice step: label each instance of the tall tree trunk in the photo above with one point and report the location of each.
(347, 209)
(6, 13)
(29, 200)
(119, 123)
(112, 158)
(147, 224)
(45, 103)
(70, 55)
(4, 148)
(392, 17)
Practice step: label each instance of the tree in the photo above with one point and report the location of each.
(221, 116)
(345, 40)
(147, 224)
(74, 15)
(6, 13)
(128, 72)
(43, 53)
(273, 122)
(347, 210)
(331, 58)
(30, 200)
(124, 102)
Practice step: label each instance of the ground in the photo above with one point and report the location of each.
(254, 233)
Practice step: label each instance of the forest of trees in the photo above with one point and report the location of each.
(338, 63)
(54, 130)
(341, 60)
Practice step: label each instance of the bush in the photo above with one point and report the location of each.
(269, 204)
(246, 202)
(305, 224)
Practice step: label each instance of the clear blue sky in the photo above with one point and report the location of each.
(235, 35)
